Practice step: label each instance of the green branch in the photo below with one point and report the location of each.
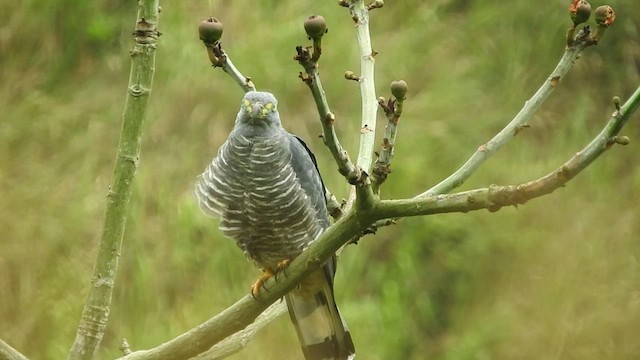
(96, 310)
(495, 197)
(518, 123)
(393, 110)
(224, 61)
(311, 77)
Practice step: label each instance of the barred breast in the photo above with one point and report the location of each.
(255, 192)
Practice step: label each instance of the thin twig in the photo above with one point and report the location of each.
(382, 165)
(225, 63)
(518, 123)
(241, 339)
(96, 309)
(311, 77)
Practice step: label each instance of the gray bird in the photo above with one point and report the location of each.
(265, 188)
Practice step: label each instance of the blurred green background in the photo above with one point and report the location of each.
(557, 278)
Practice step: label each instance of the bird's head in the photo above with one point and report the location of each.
(259, 108)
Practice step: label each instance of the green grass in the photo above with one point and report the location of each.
(556, 278)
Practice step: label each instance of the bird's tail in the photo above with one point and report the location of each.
(321, 330)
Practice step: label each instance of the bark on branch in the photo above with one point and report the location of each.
(96, 309)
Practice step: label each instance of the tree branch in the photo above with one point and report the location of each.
(210, 31)
(9, 353)
(311, 77)
(354, 222)
(393, 110)
(360, 14)
(243, 312)
(96, 310)
(519, 122)
(224, 62)
(495, 197)
(369, 210)
(241, 339)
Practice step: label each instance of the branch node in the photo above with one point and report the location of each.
(124, 347)
(330, 119)
(350, 75)
(520, 128)
(621, 140)
(375, 5)
(616, 102)
(563, 173)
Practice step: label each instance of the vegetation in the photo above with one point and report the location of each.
(556, 278)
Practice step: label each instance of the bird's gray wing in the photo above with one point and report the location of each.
(321, 329)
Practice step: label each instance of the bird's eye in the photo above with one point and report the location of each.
(247, 105)
(269, 106)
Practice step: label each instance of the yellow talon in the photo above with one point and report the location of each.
(283, 264)
(267, 274)
(282, 267)
(255, 288)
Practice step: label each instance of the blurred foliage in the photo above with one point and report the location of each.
(557, 278)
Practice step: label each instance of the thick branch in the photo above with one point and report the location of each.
(245, 311)
(96, 310)
(518, 123)
(495, 197)
(9, 353)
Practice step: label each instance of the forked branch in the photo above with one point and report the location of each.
(369, 210)
(495, 197)
(520, 121)
(242, 313)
